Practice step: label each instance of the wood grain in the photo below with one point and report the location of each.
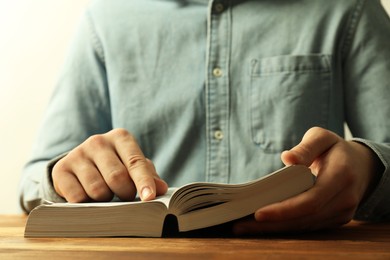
(353, 241)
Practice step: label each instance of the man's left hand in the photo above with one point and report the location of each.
(347, 172)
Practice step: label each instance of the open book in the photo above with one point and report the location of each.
(196, 205)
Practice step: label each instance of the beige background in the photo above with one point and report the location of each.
(34, 35)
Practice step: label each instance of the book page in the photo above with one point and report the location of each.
(163, 199)
(208, 206)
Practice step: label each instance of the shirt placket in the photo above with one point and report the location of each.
(217, 91)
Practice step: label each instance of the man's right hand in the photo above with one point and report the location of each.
(104, 165)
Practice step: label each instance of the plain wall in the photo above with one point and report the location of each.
(34, 35)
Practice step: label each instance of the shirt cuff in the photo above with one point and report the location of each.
(376, 207)
(47, 191)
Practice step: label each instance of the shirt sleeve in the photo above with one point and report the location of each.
(376, 206)
(78, 108)
(366, 68)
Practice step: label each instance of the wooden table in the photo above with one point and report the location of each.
(353, 241)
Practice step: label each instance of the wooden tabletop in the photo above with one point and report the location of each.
(353, 241)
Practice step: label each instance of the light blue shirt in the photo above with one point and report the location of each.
(216, 90)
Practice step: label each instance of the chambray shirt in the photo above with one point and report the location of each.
(215, 90)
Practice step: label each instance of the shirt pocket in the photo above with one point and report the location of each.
(288, 95)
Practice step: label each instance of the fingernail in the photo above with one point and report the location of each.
(145, 193)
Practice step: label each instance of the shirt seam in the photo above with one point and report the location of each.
(97, 45)
(352, 25)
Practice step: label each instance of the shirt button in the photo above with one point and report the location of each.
(218, 8)
(218, 135)
(217, 72)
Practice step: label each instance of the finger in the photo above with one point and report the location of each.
(69, 187)
(115, 174)
(141, 172)
(326, 219)
(315, 142)
(307, 203)
(310, 202)
(161, 185)
(251, 227)
(339, 210)
(82, 165)
(92, 181)
(308, 223)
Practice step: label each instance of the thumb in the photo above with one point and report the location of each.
(314, 143)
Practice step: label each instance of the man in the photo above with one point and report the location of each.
(223, 91)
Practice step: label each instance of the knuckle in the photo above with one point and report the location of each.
(98, 191)
(59, 168)
(121, 133)
(136, 161)
(318, 131)
(144, 175)
(74, 156)
(304, 150)
(117, 177)
(96, 142)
